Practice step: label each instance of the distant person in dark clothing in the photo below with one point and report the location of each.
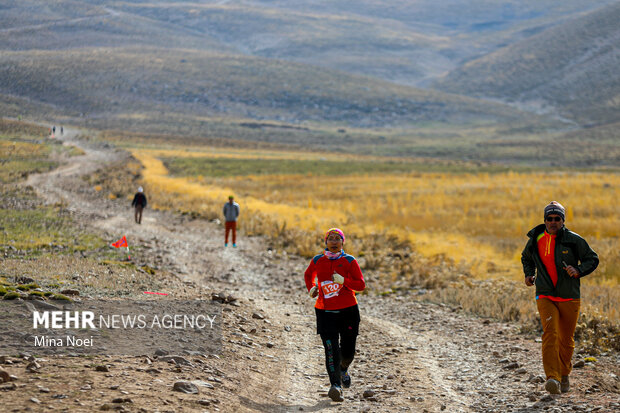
(53, 129)
(62, 131)
(139, 202)
(231, 212)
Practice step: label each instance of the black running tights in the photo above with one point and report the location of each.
(339, 353)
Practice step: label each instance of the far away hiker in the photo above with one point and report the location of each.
(139, 202)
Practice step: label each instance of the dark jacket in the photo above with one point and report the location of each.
(139, 199)
(570, 248)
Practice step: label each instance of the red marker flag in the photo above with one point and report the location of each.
(121, 243)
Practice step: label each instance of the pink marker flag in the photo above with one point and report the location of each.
(149, 292)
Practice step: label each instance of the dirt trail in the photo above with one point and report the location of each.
(414, 356)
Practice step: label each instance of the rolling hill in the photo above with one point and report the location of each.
(571, 69)
(104, 81)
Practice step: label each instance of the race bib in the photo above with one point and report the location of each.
(330, 289)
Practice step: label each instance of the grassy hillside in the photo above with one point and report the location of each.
(129, 80)
(572, 68)
(401, 41)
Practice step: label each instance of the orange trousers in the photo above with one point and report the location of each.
(231, 226)
(559, 319)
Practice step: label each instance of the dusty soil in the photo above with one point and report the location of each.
(412, 354)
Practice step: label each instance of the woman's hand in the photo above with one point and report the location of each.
(337, 278)
(314, 291)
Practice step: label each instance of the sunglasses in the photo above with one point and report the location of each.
(553, 219)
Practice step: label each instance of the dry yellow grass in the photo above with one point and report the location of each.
(476, 222)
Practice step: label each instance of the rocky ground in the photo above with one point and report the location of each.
(412, 355)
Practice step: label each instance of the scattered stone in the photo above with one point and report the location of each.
(201, 383)
(368, 393)
(10, 386)
(59, 396)
(522, 370)
(176, 360)
(269, 345)
(103, 368)
(105, 407)
(115, 387)
(512, 366)
(258, 316)
(86, 387)
(32, 367)
(161, 352)
(44, 390)
(204, 402)
(579, 364)
(70, 291)
(4, 376)
(185, 387)
(546, 398)
(122, 400)
(35, 400)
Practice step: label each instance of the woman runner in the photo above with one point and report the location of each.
(333, 277)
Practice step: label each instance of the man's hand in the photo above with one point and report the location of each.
(337, 278)
(529, 281)
(314, 291)
(572, 271)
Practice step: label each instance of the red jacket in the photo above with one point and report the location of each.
(334, 296)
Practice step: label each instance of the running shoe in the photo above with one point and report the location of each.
(335, 393)
(345, 379)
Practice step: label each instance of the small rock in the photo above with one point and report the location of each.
(269, 345)
(185, 387)
(4, 376)
(103, 368)
(368, 393)
(512, 366)
(176, 360)
(105, 407)
(33, 366)
(10, 386)
(522, 370)
(122, 400)
(59, 396)
(258, 316)
(70, 291)
(35, 400)
(204, 402)
(546, 398)
(579, 364)
(161, 352)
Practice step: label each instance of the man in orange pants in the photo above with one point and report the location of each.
(231, 213)
(554, 260)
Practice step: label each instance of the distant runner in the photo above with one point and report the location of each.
(554, 259)
(231, 213)
(334, 276)
(139, 202)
